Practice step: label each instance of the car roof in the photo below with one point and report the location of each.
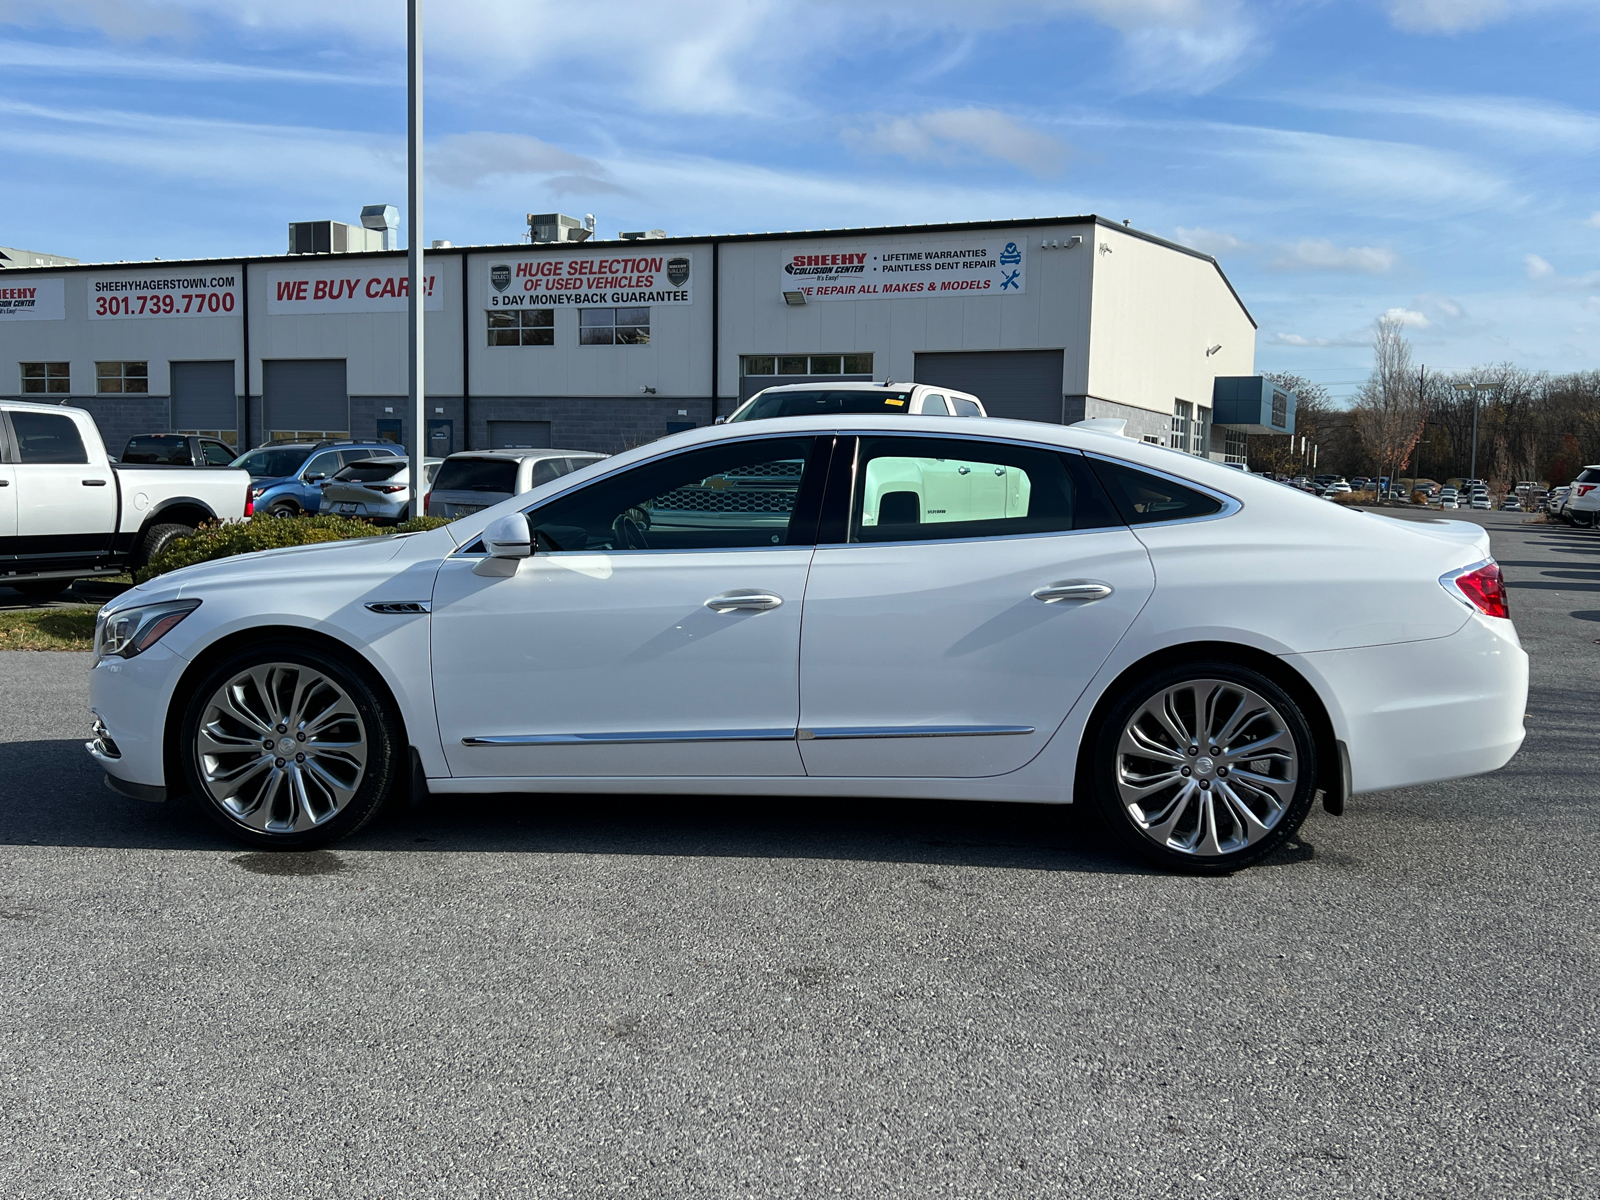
(855, 385)
(522, 455)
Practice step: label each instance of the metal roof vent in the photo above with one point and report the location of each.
(385, 219)
(643, 235)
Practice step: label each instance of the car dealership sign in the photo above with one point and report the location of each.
(189, 292)
(591, 280)
(361, 287)
(926, 267)
(32, 300)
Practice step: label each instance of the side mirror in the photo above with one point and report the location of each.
(316, 477)
(509, 537)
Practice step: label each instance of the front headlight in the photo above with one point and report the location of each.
(131, 631)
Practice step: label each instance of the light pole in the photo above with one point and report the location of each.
(415, 306)
(1475, 390)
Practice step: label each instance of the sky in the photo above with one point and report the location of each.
(1343, 159)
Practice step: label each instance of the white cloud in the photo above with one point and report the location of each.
(1445, 16)
(62, 61)
(1209, 241)
(951, 135)
(1408, 317)
(1319, 254)
(1594, 221)
(1537, 267)
(1522, 122)
(468, 159)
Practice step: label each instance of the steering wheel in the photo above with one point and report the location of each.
(627, 531)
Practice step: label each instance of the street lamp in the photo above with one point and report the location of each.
(415, 306)
(1474, 390)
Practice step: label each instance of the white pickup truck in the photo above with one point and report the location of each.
(68, 512)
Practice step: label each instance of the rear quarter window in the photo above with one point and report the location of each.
(1144, 499)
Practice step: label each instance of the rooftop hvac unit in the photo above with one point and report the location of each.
(332, 237)
(643, 235)
(384, 219)
(558, 227)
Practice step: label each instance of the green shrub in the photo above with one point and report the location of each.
(262, 532)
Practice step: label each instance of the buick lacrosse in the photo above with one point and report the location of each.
(835, 606)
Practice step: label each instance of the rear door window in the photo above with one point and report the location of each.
(941, 489)
(47, 438)
(477, 475)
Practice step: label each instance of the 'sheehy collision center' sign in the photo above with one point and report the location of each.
(928, 267)
(196, 292)
(362, 287)
(33, 300)
(590, 280)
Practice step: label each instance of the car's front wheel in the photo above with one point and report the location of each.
(289, 747)
(1204, 767)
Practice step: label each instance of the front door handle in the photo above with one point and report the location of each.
(744, 600)
(94, 483)
(1073, 589)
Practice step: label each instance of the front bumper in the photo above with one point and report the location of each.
(130, 697)
(1421, 712)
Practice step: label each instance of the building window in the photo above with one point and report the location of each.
(613, 326)
(1202, 433)
(46, 377)
(805, 364)
(122, 377)
(1280, 409)
(1182, 413)
(529, 327)
(1235, 447)
(1152, 439)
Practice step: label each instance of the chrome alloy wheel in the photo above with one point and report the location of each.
(281, 748)
(1206, 767)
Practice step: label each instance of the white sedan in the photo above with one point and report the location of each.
(845, 606)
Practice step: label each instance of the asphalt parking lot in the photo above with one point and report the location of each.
(665, 998)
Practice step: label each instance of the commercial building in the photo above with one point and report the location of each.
(602, 344)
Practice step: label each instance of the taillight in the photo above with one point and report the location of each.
(249, 500)
(427, 503)
(388, 488)
(1483, 587)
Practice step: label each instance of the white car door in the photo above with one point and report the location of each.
(655, 631)
(66, 494)
(952, 643)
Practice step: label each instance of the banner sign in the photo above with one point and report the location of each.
(166, 293)
(35, 300)
(958, 266)
(590, 282)
(361, 287)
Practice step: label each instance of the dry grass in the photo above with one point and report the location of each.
(48, 629)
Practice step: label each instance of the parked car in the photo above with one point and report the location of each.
(1583, 501)
(287, 476)
(177, 450)
(376, 489)
(1555, 505)
(887, 399)
(68, 512)
(1449, 502)
(1481, 502)
(811, 607)
(473, 480)
(1511, 504)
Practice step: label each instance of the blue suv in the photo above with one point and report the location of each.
(286, 477)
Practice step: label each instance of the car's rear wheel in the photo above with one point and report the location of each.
(289, 747)
(1204, 767)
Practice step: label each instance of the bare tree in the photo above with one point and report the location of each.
(1278, 454)
(1391, 408)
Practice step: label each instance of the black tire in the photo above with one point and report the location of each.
(386, 770)
(42, 589)
(1281, 824)
(283, 508)
(156, 539)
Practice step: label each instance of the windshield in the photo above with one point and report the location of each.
(477, 475)
(273, 461)
(821, 402)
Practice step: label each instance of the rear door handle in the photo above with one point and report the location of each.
(94, 483)
(1072, 589)
(744, 600)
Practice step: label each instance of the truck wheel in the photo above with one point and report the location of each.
(284, 508)
(43, 589)
(156, 539)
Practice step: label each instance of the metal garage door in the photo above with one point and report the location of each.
(519, 435)
(306, 398)
(1024, 384)
(203, 399)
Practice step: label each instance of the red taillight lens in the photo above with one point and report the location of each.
(249, 500)
(427, 504)
(387, 488)
(1486, 589)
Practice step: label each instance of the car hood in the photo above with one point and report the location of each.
(266, 481)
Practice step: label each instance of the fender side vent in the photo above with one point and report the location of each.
(400, 608)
